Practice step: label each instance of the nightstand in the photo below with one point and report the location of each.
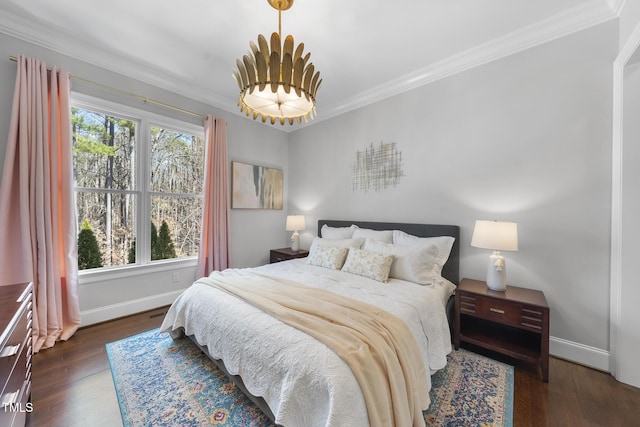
(514, 322)
(284, 254)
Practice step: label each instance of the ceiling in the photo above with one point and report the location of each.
(365, 50)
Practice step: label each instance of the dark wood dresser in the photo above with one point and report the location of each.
(15, 353)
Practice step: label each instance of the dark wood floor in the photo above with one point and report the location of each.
(72, 386)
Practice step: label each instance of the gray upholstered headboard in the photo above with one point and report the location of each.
(451, 270)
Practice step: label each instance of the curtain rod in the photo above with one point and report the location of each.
(131, 94)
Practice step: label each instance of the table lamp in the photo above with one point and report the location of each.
(295, 223)
(499, 236)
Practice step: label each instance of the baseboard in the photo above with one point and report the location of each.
(583, 354)
(113, 311)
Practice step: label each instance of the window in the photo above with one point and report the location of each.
(139, 186)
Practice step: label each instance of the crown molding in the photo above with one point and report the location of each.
(560, 25)
(58, 40)
(616, 6)
(573, 20)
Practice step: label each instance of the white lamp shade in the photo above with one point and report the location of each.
(295, 223)
(496, 235)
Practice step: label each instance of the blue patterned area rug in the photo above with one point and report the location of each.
(161, 382)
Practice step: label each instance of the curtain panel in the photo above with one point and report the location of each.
(213, 253)
(37, 212)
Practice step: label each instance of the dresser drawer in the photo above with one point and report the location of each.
(16, 415)
(18, 375)
(16, 320)
(15, 393)
(15, 344)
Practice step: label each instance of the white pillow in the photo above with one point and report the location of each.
(413, 263)
(328, 256)
(337, 232)
(379, 235)
(340, 243)
(373, 265)
(443, 243)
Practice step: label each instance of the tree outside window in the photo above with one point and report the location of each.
(138, 187)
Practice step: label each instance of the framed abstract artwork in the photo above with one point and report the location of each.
(255, 187)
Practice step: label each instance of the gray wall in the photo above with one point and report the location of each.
(526, 138)
(253, 232)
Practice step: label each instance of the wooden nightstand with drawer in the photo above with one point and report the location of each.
(514, 322)
(284, 254)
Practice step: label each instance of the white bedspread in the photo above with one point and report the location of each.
(302, 380)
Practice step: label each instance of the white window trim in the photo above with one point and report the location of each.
(144, 120)
(94, 275)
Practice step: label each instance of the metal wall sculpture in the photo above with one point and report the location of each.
(377, 167)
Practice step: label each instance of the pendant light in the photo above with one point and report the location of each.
(276, 81)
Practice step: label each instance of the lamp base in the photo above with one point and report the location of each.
(497, 273)
(295, 242)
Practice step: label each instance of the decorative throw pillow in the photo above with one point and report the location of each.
(373, 265)
(327, 256)
(379, 235)
(337, 232)
(443, 243)
(411, 263)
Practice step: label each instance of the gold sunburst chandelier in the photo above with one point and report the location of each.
(276, 81)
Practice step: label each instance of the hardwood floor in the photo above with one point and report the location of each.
(72, 386)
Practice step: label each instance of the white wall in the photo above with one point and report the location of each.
(253, 232)
(628, 344)
(625, 205)
(526, 138)
(629, 18)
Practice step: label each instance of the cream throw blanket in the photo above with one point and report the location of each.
(378, 347)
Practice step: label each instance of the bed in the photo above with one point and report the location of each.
(296, 379)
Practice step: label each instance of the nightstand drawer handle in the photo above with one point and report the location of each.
(496, 310)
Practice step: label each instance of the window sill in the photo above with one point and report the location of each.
(86, 277)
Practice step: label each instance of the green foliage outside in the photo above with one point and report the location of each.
(89, 255)
(164, 244)
(154, 242)
(161, 244)
(131, 257)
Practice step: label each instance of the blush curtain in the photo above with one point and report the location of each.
(213, 253)
(37, 213)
